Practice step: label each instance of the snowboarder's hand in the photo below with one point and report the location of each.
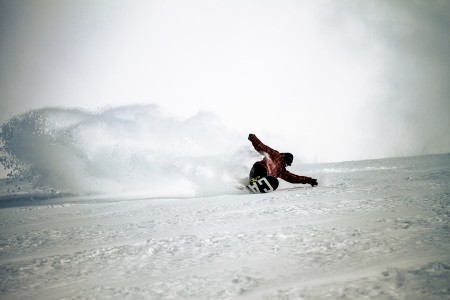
(313, 182)
(251, 136)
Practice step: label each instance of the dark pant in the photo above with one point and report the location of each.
(258, 170)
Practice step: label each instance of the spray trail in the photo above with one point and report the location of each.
(121, 150)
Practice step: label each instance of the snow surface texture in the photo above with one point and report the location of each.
(130, 203)
(374, 229)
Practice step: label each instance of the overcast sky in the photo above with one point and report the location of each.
(339, 80)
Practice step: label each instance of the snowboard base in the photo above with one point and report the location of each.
(263, 185)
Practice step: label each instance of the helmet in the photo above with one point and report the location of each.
(288, 158)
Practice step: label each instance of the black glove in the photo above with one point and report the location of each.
(313, 182)
(250, 136)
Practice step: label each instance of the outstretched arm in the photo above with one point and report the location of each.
(261, 147)
(292, 178)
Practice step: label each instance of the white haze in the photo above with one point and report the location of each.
(326, 80)
(133, 149)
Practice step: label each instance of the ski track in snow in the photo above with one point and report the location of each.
(371, 230)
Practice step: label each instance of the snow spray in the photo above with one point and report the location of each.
(130, 149)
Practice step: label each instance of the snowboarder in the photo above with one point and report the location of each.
(274, 164)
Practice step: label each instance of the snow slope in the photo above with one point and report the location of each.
(375, 229)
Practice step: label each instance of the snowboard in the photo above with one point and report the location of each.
(263, 185)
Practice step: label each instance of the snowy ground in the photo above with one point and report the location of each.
(372, 230)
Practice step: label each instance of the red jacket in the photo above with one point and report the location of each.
(274, 162)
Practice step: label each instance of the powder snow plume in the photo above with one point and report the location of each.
(131, 149)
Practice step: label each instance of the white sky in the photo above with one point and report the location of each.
(334, 80)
